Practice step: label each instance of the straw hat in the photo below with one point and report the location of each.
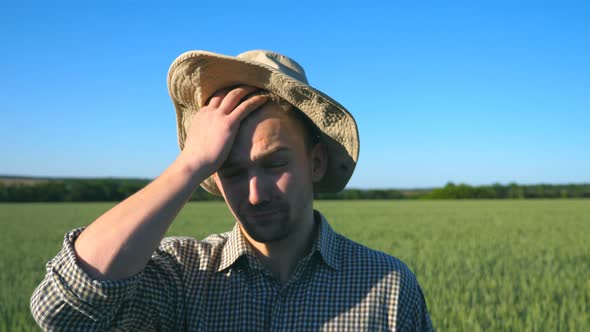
(196, 75)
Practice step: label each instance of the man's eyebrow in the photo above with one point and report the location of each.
(237, 163)
(268, 153)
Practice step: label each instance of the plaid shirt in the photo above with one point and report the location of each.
(218, 284)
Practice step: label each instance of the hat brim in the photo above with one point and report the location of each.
(196, 75)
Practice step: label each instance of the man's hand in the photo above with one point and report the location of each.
(214, 128)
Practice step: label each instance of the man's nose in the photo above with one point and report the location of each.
(258, 192)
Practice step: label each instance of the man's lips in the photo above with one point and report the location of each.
(262, 214)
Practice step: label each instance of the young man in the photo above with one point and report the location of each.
(252, 130)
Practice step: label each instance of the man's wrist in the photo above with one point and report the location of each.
(197, 171)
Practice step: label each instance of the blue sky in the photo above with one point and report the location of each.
(471, 91)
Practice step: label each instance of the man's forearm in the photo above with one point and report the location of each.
(119, 243)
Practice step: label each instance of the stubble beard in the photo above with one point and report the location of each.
(269, 231)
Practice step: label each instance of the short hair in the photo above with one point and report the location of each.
(311, 133)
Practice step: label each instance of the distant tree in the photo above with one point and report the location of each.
(515, 191)
(51, 191)
(500, 190)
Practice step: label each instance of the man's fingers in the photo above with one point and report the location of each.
(232, 98)
(216, 99)
(247, 107)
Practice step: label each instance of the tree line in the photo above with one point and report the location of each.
(510, 191)
(79, 190)
(108, 190)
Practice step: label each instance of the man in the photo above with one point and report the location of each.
(252, 130)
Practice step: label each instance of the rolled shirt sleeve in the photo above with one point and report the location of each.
(68, 298)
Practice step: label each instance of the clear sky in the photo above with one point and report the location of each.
(471, 91)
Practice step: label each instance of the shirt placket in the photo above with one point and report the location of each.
(280, 314)
(278, 311)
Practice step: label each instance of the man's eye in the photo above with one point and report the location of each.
(277, 164)
(229, 174)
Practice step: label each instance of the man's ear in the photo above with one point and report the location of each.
(319, 161)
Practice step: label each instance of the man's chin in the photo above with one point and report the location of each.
(266, 239)
(265, 232)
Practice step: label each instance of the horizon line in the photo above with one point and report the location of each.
(35, 177)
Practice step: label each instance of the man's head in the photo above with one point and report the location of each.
(267, 180)
(196, 75)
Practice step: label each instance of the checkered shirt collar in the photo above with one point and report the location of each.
(326, 244)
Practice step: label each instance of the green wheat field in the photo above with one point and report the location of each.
(483, 265)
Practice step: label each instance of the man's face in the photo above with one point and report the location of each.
(267, 178)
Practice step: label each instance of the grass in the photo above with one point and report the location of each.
(483, 265)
